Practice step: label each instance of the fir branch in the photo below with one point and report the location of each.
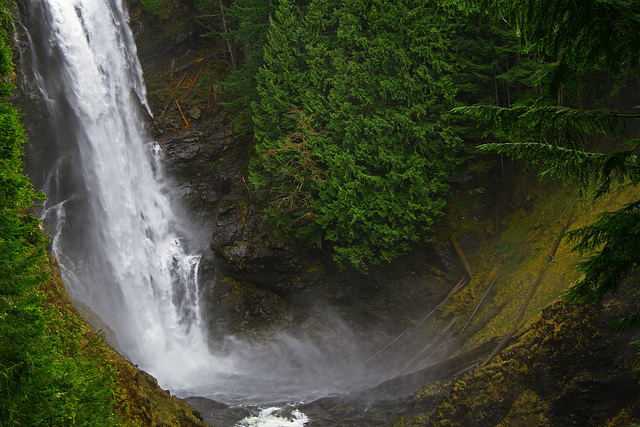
(593, 173)
(560, 125)
(614, 241)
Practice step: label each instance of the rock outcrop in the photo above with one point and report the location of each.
(569, 368)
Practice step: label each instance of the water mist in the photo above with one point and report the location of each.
(122, 249)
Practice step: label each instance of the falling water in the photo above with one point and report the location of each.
(120, 246)
(122, 250)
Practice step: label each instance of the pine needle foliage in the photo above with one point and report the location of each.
(595, 174)
(251, 21)
(575, 36)
(376, 80)
(613, 246)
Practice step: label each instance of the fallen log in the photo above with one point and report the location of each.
(441, 337)
(461, 283)
(410, 383)
(521, 310)
(479, 304)
(462, 257)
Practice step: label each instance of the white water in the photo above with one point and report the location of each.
(121, 248)
(134, 269)
(271, 417)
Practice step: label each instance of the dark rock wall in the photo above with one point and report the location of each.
(251, 278)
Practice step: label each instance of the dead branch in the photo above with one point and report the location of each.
(186, 126)
(462, 257)
(172, 94)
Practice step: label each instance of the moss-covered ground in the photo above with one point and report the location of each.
(520, 251)
(564, 363)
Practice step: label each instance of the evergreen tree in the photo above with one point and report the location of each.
(281, 77)
(377, 80)
(252, 20)
(585, 36)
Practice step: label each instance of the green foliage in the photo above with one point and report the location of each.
(296, 163)
(575, 36)
(47, 378)
(160, 9)
(495, 71)
(44, 377)
(613, 246)
(251, 20)
(7, 10)
(376, 80)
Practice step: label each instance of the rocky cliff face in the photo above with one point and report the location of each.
(251, 278)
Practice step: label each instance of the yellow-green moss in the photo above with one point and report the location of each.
(527, 410)
(519, 253)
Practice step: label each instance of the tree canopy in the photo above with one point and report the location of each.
(354, 137)
(571, 38)
(349, 106)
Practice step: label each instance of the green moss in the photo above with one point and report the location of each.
(519, 253)
(137, 398)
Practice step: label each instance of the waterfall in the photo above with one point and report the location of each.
(120, 246)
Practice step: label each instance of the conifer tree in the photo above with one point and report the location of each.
(251, 24)
(577, 36)
(377, 81)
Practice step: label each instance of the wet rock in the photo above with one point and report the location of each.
(570, 368)
(216, 413)
(235, 305)
(195, 113)
(353, 411)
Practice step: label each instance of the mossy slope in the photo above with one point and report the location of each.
(138, 400)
